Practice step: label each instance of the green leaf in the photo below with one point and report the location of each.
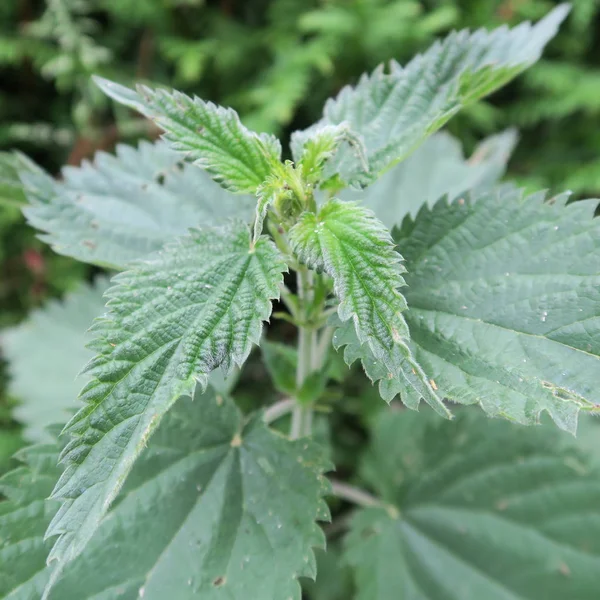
(333, 577)
(281, 361)
(12, 165)
(355, 249)
(480, 509)
(396, 110)
(212, 136)
(504, 297)
(44, 355)
(126, 206)
(376, 370)
(197, 305)
(435, 169)
(314, 147)
(24, 517)
(237, 506)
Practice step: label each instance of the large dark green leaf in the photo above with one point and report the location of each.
(24, 516)
(478, 509)
(214, 508)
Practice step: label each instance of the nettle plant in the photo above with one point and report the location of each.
(166, 488)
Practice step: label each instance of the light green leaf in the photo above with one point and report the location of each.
(237, 506)
(212, 136)
(44, 355)
(12, 164)
(314, 147)
(504, 297)
(197, 305)
(396, 110)
(435, 169)
(126, 206)
(482, 509)
(24, 516)
(355, 249)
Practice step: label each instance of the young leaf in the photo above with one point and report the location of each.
(42, 378)
(313, 148)
(355, 249)
(175, 317)
(395, 111)
(237, 506)
(126, 206)
(435, 169)
(213, 136)
(504, 299)
(479, 508)
(24, 516)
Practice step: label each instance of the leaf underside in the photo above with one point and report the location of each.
(31, 347)
(210, 135)
(484, 509)
(355, 249)
(504, 298)
(175, 317)
(396, 110)
(238, 506)
(126, 206)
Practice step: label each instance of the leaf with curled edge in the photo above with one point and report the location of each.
(355, 249)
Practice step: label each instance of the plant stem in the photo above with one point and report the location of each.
(353, 494)
(279, 409)
(302, 414)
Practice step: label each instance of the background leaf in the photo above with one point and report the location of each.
(11, 188)
(126, 206)
(45, 354)
(435, 169)
(483, 509)
(504, 300)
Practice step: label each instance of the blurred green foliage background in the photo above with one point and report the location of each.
(276, 62)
